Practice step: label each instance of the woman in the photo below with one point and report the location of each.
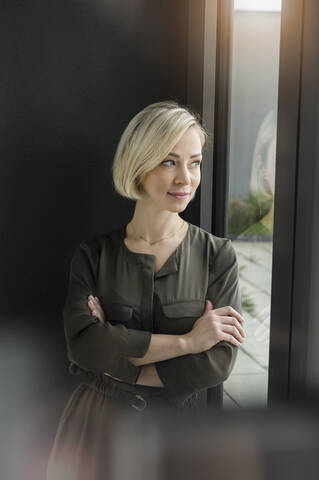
(153, 314)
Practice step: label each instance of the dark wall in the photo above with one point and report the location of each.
(73, 73)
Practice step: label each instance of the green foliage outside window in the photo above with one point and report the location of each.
(251, 217)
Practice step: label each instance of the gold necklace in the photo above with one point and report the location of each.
(164, 238)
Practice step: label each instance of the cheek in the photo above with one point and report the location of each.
(163, 179)
(157, 181)
(196, 179)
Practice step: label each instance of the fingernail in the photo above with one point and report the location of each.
(94, 312)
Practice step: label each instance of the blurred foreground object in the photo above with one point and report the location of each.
(275, 443)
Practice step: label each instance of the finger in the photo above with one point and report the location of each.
(229, 338)
(209, 305)
(228, 310)
(233, 321)
(236, 314)
(91, 304)
(98, 309)
(93, 299)
(93, 307)
(233, 331)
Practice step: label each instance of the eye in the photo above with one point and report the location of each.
(165, 161)
(195, 161)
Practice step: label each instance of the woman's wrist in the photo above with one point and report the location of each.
(186, 344)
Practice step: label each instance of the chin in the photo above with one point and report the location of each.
(178, 209)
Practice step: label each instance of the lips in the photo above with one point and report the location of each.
(178, 195)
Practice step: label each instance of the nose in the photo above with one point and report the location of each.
(183, 176)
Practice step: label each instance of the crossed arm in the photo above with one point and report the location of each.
(163, 350)
(138, 356)
(161, 347)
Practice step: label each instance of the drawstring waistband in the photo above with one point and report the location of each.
(138, 396)
(141, 396)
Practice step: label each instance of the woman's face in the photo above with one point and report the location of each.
(177, 173)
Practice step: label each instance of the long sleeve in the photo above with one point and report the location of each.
(186, 374)
(91, 344)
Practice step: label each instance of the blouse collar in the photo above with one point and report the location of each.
(148, 260)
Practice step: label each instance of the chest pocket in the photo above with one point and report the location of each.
(120, 313)
(179, 317)
(189, 308)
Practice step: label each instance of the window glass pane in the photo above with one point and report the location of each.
(252, 161)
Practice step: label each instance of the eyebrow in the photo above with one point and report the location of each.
(192, 156)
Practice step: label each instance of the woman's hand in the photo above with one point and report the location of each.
(96, 308)
(97, 311)
(214, 326)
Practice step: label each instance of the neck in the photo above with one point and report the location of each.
(153, 224)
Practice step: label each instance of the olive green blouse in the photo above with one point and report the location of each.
(138, 302)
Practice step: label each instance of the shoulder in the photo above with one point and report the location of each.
(211, 241)
(219, 250)
(96, 243)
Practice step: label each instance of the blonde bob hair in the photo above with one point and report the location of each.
(146, 142)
